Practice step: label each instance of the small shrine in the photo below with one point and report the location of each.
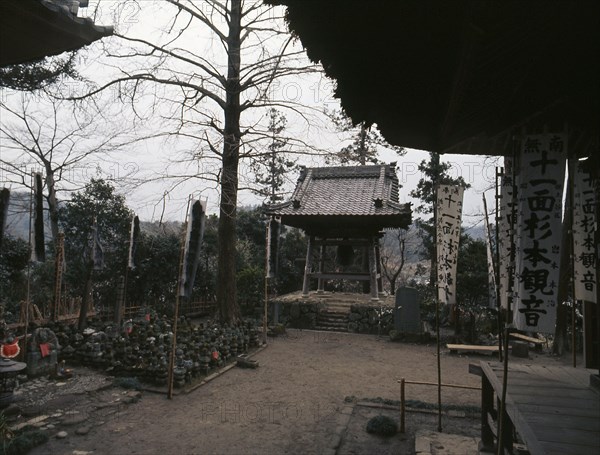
(345, 207)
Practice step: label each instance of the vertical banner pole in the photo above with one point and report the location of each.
(436, 163)
(499, 173)
(402, 406)
(31, 247)
(571, 184)
(177, 297)
(267, 272)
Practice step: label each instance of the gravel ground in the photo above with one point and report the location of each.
(296, 402)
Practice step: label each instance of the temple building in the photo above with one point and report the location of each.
(347, 208)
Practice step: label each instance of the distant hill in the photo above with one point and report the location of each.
(17, 225)
(17, 221)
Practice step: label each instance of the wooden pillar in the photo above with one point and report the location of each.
(487, 408)
(321, 282)
(378, 268)
(119, 302)
(373, 270)
(308, 266)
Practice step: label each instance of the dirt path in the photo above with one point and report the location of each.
(291, 404)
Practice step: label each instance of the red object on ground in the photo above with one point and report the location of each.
(44, 349)
(11, 350)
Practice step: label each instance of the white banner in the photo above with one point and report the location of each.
(449, 213)
(505, 226)
(538, 229)
(490, 261)
(584, 231)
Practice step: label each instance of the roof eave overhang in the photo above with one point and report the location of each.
(31, 30)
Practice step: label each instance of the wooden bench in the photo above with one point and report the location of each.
(473, 348)
(535, 341)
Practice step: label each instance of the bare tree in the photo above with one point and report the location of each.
(215, 62)
(393, 256)
(55, 137)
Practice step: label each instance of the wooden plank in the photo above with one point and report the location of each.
(567, 375)
(552, 410)
(571, 436)
(560, 403)
(549, 390)
(519, 336)
(558, 413)
(571, 421)
(556, 448)
(472, 348)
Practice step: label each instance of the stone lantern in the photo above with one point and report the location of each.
(8, 379)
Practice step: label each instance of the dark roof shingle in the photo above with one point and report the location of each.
(351, 192)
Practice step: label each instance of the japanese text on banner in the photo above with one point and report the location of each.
(505, 233)
(538, 229)
(449, 213)
(584, 231)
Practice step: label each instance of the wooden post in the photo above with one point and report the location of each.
(402, 406)
(487, 406)
(119, 302)
(307, 267)
(58, 273)
(499, 174)
(378, 267)
(321, 281)
(373, 270)
(86, 299)
(571, 185)
(266, 306)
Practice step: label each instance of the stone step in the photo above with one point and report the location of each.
(327, 319)
(336, 322)
(337, 308)
(331, 329)
(335, 313)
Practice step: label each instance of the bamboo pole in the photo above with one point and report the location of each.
(28, 295)
(267, 253)
(571, 187)
(495, 267)
(454, 386)
(436, 162)
(499, 173)
(176, 312)
(402, 405)
(500, 444)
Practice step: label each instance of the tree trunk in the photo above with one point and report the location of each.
(86, 298)
(226, 274)
(52, 203)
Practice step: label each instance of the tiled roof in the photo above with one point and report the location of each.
(344, 191)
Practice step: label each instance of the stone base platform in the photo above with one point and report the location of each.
(342, 312)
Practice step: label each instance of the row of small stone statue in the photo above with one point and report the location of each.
(140, 348)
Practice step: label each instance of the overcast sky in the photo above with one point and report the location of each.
(145, 161)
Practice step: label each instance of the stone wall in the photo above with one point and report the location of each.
(370, 319)
(298, 315)
(361, 319)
